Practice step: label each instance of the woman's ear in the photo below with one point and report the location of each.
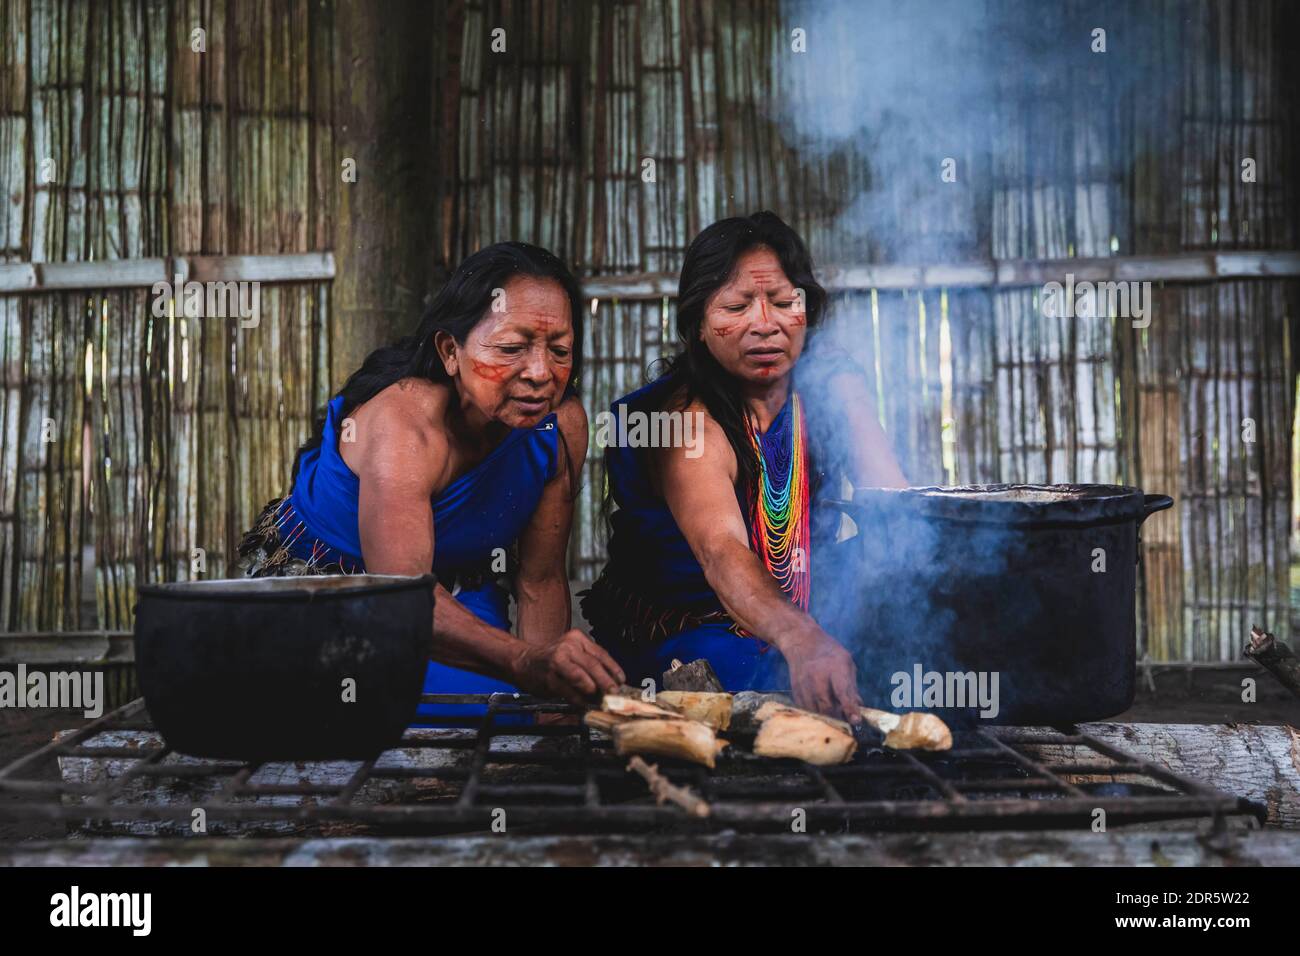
(445, 344)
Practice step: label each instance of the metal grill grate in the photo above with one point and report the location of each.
(555, 777)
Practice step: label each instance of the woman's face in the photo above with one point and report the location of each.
(755, 324)
(516, 363)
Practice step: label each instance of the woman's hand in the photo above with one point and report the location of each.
(822, 675)
(571, 666)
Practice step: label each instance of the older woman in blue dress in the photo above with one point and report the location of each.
(712, 553)
(458, 450)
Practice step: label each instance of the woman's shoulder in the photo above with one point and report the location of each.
(412, 406)
(571, 414)
(401, 427)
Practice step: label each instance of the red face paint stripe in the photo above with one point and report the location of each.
(493, 373)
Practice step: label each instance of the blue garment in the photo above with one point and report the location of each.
(649, 554)
(484, 509)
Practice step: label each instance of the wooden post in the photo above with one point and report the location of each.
(383, 110)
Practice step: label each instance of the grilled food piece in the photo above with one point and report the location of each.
(683, 739)
(626, 705)
(603, 720)
(910, 731)
(746, 703)
(708, 708)
(790, 732)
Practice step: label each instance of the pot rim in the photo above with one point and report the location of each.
(315, 587)
(1074, 504)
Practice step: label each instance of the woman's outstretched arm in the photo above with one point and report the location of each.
(542, 585)
(401, 460)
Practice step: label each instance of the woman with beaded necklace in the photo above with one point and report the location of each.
(712, 551)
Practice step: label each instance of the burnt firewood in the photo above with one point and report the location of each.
(698, 675)
(1275, 657)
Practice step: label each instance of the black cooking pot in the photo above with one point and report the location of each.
(1035, 584)
(255, 668)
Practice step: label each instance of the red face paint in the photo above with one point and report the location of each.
(493, 373)
(722, 331)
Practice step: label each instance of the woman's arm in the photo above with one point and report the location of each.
(401, 461)
(700, 492)
(871, 461)
(542, 584)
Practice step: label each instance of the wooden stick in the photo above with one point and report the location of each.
(665, 790)
(1276, 657)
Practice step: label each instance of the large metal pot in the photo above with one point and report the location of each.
(258, 669)
(1033, 583)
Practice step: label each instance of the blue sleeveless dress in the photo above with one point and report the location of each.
(649, 555)
(485, 509)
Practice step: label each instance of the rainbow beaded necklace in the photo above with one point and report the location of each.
(779, 531)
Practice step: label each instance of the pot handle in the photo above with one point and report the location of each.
(1153, 503)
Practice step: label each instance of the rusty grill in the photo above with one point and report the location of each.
(117, 773)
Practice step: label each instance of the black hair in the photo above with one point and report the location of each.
(458, 307)
(710, 264)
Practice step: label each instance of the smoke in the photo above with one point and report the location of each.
(931, 119)
(927, 108)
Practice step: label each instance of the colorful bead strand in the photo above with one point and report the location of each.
(780, 529)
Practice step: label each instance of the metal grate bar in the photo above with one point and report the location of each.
(569, 779)
(1033, 766)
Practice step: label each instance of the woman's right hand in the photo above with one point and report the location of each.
(571, 666)
(822, 675)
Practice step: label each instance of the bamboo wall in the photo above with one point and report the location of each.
(170, 433)
(167, 433)
(974, 385)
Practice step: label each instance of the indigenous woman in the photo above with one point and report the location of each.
(713, 546)
(457, 450)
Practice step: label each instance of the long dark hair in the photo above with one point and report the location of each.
(710, 264)
(457, 308)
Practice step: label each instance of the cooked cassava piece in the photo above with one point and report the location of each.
(812, 738)
(745, 705)
(773, 707)
(629, 706)
(910, 731)
(604, 720)
(708, 708)
(683, 739)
